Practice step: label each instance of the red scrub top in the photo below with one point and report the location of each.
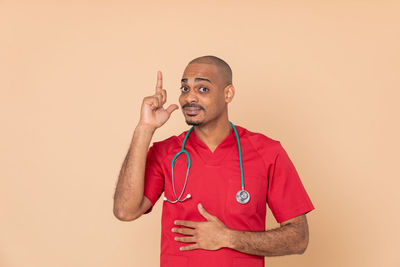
(214, 179)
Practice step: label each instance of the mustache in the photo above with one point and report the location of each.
(192, 106)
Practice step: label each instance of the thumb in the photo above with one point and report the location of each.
(204, 213)
(171, 108)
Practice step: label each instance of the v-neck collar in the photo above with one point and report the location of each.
(214, 158)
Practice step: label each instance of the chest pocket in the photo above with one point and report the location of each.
(254, 185)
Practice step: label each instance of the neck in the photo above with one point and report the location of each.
(213, 133)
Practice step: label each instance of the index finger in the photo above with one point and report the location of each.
(190, 224)
(159, 82)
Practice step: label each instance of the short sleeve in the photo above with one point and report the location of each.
(287, 197)
(154, 177)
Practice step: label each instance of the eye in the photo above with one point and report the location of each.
(202, 88)
(184, 89)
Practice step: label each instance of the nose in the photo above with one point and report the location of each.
(191, 97)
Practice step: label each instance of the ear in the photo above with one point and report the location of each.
(229, 92)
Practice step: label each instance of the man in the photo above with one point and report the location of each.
(203, 223)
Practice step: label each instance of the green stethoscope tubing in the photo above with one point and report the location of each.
(242, 196)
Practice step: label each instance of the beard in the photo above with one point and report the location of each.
(194, 123)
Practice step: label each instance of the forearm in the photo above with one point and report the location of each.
(284, 240)
(130, 186)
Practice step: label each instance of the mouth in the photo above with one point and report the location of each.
(192, 111)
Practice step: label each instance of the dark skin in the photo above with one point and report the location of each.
(202, 88)
(206, 91)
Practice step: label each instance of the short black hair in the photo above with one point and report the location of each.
(223, 67)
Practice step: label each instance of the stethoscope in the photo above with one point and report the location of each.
(242, 196)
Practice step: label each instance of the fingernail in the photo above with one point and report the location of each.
(173, 229)
(200, 205)
(180, 248)
(174, 222)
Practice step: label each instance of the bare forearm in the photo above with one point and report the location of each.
(283, 240)
(130, 186)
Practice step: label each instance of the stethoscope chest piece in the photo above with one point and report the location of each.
(242, 196)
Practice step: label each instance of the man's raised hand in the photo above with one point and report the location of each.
(153, 113)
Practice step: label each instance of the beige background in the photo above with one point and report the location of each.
(320, 76)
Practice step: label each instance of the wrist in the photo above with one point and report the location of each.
(145, 127)
(229, 238)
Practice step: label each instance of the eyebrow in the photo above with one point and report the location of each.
(184, 80)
